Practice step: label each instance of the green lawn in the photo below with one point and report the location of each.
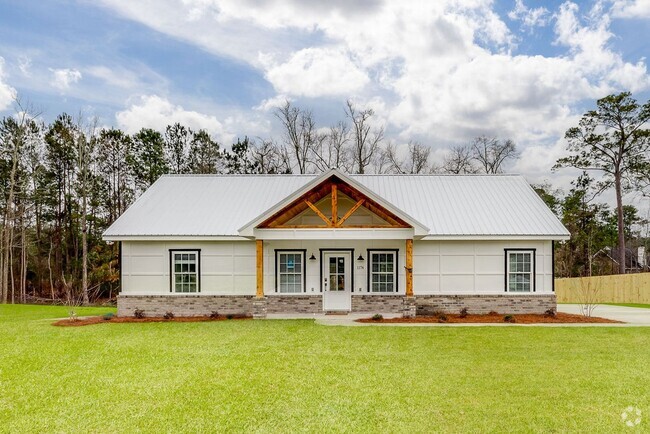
(643, 306)
(281, 376)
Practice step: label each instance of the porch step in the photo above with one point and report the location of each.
(336, 312)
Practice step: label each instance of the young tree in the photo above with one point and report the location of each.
(612, 140)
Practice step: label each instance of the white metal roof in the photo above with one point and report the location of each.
(448, 205)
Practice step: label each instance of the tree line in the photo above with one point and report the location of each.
(65, 182)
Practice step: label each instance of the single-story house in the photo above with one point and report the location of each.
(258, 244)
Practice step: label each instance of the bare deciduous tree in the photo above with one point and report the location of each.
(365, 138)
(492, 154)
(459, 161)
(333, 150)
(270, 158)
(416, 160)
(300, 133)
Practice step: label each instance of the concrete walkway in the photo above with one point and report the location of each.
(629, 315)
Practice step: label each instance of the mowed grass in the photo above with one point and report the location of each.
(288, 376)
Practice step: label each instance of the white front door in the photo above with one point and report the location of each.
(337, 281)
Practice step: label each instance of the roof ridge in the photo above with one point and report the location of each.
(384, 175)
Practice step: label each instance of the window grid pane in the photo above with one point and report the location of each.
(520, 274)
(185, 272)
(290, 272)
(382, 276)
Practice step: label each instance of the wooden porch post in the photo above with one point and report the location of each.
(409, 268)
(259, 244)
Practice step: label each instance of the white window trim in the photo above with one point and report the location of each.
(172, 271)
(395, 253)
(532, 271)
(303, 272)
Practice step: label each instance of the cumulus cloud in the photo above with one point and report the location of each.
(7, 93)
(631, 8)
(530, 17)
(153, 111)
(314, 72)
(63, 78)
(444, 71)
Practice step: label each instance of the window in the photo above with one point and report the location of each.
(185, 271)
(382, 271)
(520, 270)
(290, 266)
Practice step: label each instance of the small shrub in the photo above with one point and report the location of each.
(464, 312)
(509, 318)
(230, 316)
(377, 317)
(108, 316)
(138, 313)
(214, 314)
(550, 313)
(436, 313)
(493, 313)
(169, 315)
(442, 318)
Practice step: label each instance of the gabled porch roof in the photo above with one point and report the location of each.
(293, 204)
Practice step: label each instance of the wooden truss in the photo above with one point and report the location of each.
(332, 186)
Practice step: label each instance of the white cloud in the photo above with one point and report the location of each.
(314, 72)
(24, 64)
(118, 77)
(631, 9)
(153, 111)
(438, 71)
(7, 93)
(530, 17)
(63, 78)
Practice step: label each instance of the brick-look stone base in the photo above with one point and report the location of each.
(197, 305)
(294, 304)
(480, 304)
(185, 305)
(259, 308)
(409, 307)
(385, 303)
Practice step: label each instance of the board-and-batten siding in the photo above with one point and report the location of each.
(228, 267)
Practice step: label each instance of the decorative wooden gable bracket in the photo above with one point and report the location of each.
(333, 186)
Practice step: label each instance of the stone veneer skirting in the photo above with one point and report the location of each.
(294, 304)
(185, 305)
(479, 304)
(197, 305)
(385, 303)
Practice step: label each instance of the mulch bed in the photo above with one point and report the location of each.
(559, 318)
(100, 320)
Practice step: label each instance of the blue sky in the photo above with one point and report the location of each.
(437, 72)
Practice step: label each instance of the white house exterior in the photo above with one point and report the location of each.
(258, 244)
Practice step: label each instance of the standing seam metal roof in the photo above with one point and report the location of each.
(450, 205)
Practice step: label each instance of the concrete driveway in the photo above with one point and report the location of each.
(630, 315)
